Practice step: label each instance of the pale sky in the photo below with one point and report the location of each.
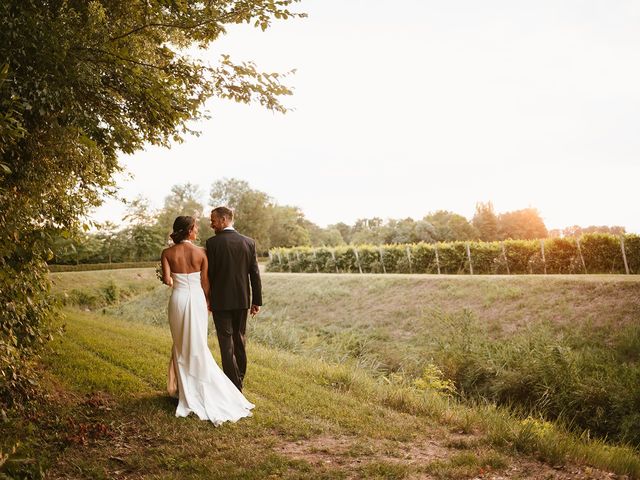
(403, 107)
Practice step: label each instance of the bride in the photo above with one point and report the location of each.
(194, 377)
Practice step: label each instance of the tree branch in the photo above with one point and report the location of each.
(222, 19)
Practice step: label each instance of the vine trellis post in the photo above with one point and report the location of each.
(624, 256)
(504, 255)
(584, 265)
(355, 251)
(384, 269)
(335, 262)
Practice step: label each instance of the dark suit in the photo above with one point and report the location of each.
(235, 286)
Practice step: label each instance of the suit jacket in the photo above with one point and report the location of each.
(233, 268)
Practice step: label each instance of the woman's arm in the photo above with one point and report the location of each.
(166, 269)
(204, 276)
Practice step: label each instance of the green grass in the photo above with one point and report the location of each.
(101, 266)
(322, 410)
(578, 334)
(565, 347)
(100, 288)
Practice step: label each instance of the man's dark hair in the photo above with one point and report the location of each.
(225, 212)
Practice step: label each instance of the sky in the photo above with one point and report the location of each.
(403, 107)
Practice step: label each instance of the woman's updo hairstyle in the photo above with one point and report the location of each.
(182, 226)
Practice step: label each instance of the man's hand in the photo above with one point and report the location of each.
(254, 310)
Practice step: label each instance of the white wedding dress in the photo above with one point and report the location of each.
(194, 376)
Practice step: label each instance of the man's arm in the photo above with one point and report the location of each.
(256, 283)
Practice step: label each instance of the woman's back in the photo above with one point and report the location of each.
(184, 257)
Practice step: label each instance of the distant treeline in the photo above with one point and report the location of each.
(144, 233)
(591, 253)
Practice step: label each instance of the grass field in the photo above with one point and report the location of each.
(566, 348)
(331, 401)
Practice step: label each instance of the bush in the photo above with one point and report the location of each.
(424, 258)
(632, 250)
(100, 266)
(519, 253)
(601, 253)
(370, 259)
(542, 373)
(111, 292)
(24, 326)
(487, 258)
(561, 255)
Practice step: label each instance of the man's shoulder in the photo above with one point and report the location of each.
(248, 240)
(224, 236)
(245, 237)
(211, 240)
(230, 235)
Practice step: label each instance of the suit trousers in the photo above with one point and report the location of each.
(231, 327)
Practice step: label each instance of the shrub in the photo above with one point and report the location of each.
(602, 253)
(453, 257)
(632, 250)
(424, 258)
(487, 258)
(541, 373)
(519, 253)
(111, 292)
(561, 255)
(100, 266)
(27, 308)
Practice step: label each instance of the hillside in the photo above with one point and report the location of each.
(106, 414)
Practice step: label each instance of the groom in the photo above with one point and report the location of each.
(233, 267)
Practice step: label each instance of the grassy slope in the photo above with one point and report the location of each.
(111, 417)
(564, 346)
(398, 318)
(504, 303)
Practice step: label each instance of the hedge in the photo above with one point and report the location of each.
(591, 253)
(100, 266)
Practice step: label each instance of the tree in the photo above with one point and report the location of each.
(577, 231)
(326, 237)
(345, 231)
(80, 83)
(107, 235)
(184, 200)
(145, 237)
(425, 232)
(288, 227)
(485, 222)
(252, 209)
(525, 224)
(369, 231)
(449, 226)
